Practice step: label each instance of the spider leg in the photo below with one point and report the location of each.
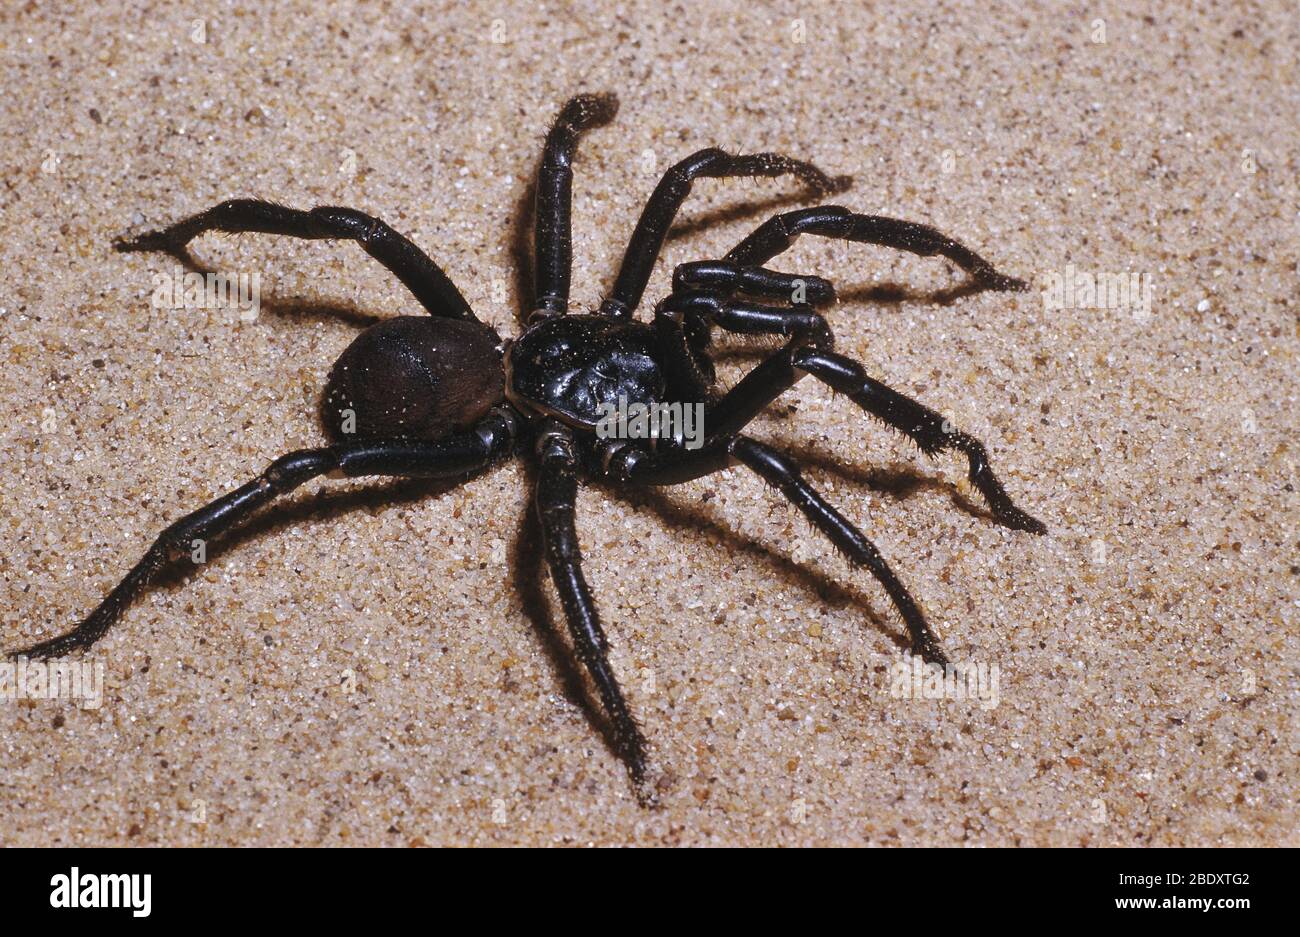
(451, 457)
(745, 318)
(674, 466)
(683, 322)
(781, 471)
(724, 278)
(779, 233)
(553, 241)
(930, 431)
(557, 487)
(805, 327)
(637, 465)
(403, 259)
(657, 217)
(777, 374)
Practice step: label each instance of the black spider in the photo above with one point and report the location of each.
(444, 396)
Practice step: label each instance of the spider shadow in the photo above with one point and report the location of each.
(529, 574)
(527, 564)
(834, 594)
(896, 294)
(739, 211)
(895, 482)
(521, 250)
(323, 505)
(292, 308)
(878, 294)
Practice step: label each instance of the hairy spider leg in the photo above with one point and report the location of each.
(451, 457)
(930, 431)
(648, 237)
(408, 263)
(778, 234)
(783, 472)
(778, 373)
(553, 238)
(556, 496)
(724, 277)
(805, 327)
(807, 352)
(683, 322)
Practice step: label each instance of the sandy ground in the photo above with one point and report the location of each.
(368, 664)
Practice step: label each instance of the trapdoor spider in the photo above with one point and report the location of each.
(444, 396)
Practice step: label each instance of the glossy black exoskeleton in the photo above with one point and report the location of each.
(576, 368)
(443, 396)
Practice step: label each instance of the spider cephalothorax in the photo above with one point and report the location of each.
(443, 396)
(575, 367)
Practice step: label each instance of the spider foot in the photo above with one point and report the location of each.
(149, 241)
(631, 750)
(587, 111)
(1001, 283)
(926, 646)
(1011, 516)
(646, 795)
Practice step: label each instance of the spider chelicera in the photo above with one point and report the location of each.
(444, 396)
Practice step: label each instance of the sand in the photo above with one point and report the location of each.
(369, 664)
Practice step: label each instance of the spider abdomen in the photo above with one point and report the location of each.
(577, 368)
(413, 376)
